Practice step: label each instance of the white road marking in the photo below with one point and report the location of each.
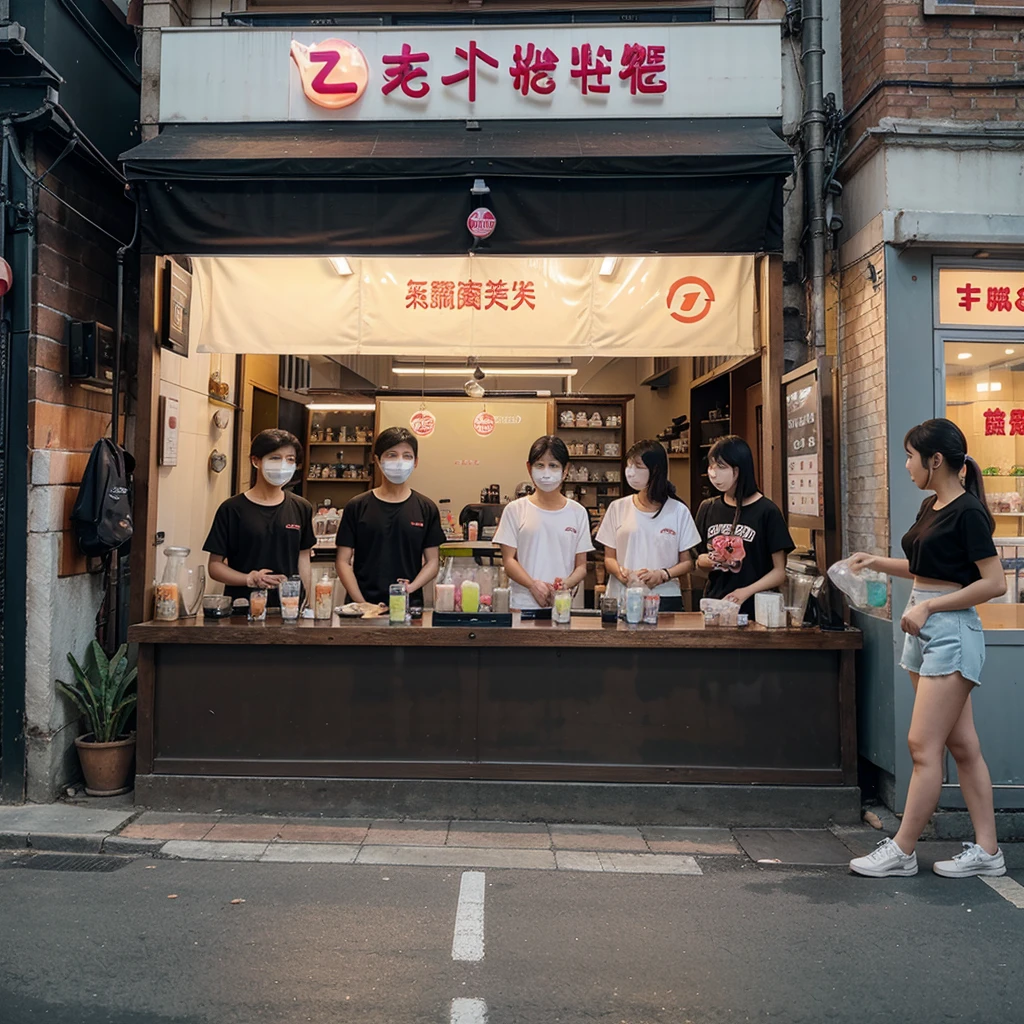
(1011, 891)
(468, 942)
(468, 1011)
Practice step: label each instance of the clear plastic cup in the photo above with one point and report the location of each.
(257, 605)
(652, 602)
(290, 591)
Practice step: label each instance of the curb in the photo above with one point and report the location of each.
(53, 842)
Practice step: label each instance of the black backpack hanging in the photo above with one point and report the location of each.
(102, 516)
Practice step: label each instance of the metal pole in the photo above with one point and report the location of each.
(814, 164)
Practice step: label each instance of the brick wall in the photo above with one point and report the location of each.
(865, 428)
(883, 39)
(75, 278)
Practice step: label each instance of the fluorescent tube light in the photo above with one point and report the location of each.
(963, 355)
(341, 265)
(490, 371)
(994, 386)
(342, 407)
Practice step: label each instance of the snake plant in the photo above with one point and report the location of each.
(101, 691)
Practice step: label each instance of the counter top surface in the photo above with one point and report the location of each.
(680, 629)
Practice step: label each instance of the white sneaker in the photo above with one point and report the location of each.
(973, 861)
(885, 861)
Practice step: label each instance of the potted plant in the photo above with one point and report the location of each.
(103, 692)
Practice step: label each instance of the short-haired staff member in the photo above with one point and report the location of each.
(391, 533)
(265, 534)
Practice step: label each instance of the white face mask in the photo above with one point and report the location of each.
(547, 479)
(398, 470)
(277, 471)
(637, 478)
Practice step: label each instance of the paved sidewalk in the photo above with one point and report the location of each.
(73, 828)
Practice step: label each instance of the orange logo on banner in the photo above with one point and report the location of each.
(484, 424)
(696, 300)
(422, 423)
(334, 73)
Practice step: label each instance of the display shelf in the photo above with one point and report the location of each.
(338, 479)
(213, 400)
(340, 444)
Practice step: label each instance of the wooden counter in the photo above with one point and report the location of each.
(363, 699)
(674, 630)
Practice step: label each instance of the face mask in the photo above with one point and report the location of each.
(637, 478)
(277, 472)
(398, 470)
(547, 479)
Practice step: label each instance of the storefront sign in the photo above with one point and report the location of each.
(422, 423)
(483, 424)
(539, 71)
(803, 445)
(478, 306)
(481, 223)
(981, 298)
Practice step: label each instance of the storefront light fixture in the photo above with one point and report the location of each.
(993, 386)
(1009, 351)
(608, 265)
(341, 407)
(963, 355)
(341, 265)
(491, 371)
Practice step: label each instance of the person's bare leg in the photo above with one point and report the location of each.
(937, 707)
(975, 781)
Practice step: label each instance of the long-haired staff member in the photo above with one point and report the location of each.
(953, 563)
(391, 533)
(744, 537)
(649, 533)
(265, 534)
(544, 537)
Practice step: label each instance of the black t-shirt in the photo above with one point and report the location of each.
(252, 536)
(389, 539)
(946, 544)
(745, 556)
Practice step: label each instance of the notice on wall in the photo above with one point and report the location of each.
(803, 449)
(169, 431)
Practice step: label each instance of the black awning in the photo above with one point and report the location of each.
(631, 186)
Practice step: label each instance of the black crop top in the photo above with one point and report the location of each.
(946, 544)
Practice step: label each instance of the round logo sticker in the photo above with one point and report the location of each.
(481, 222)
(334, 73)
(689, 300)
(484, 424)
(422, 423)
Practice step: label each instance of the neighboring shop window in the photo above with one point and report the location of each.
(985, 397)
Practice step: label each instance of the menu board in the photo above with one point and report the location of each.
(804, 488)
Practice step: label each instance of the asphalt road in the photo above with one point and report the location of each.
(373, 945)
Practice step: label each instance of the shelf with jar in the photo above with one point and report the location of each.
(339, 455)
(594, 430)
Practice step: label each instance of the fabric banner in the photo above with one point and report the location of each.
(476, 306)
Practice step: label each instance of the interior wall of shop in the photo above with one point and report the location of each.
(75, 278)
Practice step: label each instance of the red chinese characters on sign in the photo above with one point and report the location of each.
(403, 71)
(1017, 423)
(640, 66)
(588, 63)
(470, 56)
(997, 300)
(995, 422)
(482, 295)
(532, 69)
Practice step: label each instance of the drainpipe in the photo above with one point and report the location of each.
(814, 163)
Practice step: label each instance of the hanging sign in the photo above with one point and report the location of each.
(481, 223)
(422, 423)
(483, 424)
(450, 72)
(462, 306)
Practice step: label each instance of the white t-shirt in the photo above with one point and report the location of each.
(645, 540)
(546, 542)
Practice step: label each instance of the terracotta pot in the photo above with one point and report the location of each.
(106, 765)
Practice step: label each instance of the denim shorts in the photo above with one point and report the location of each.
(948, 642)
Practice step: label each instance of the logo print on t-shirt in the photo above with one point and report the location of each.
(414, 523)
(571, 529)
(669, 531)
(292, 526)
(727, 553)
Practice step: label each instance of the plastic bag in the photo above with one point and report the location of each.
(864, 589)
(719, 613)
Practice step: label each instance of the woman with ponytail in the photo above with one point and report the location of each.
(952, 560)
(649, 534)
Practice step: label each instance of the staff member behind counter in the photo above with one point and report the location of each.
(265, 534)
(391, 533)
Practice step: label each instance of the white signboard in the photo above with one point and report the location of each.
(477, 305)
(727, 69)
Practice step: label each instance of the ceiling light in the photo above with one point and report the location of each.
(608, 265)
(995, 386)
(1009, 351)
(342, 407)
(490, 371)
(341, 265)
(963, 355)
